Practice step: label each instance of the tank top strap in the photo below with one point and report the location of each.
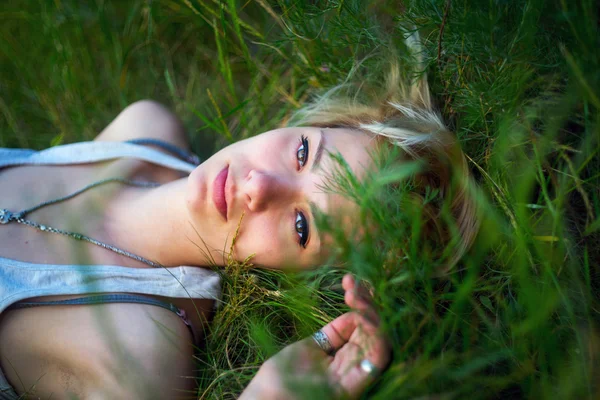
(23, 280)
(90, 152)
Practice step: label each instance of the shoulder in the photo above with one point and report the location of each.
(146, 119)
(119, 351)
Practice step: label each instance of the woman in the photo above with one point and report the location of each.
(127, 332)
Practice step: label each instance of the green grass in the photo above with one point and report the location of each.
(519, 83)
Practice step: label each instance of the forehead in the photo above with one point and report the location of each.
(356, 147)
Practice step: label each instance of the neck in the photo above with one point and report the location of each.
(153, 223)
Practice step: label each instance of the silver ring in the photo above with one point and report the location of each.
(368, 367)
(323, 342)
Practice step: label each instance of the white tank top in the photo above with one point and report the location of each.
(21, 280)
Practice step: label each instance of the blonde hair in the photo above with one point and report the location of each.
(402, 115)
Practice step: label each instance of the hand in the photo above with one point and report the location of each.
(303, 368)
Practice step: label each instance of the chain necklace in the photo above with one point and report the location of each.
(7, 217)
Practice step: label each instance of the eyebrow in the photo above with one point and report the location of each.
(319, 153)
(315, 166)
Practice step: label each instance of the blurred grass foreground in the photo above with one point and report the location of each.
(518, 81)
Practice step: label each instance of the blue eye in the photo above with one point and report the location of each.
(301, 226)
(302, 152)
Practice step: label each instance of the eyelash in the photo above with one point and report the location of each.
(302, 233)
(301, 224)
(303, 146)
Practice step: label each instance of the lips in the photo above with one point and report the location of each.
(218, 192)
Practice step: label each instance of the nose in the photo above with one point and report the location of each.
(263, 188)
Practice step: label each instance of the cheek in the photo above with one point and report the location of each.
(262, 236)
(269, 152)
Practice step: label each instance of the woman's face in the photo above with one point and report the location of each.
(275, 180)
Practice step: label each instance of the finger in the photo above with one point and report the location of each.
(361, 294)
(352, 326)
(340, 329)
(354, 368)
(355, 380)
(357, 298)
(349, 282)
